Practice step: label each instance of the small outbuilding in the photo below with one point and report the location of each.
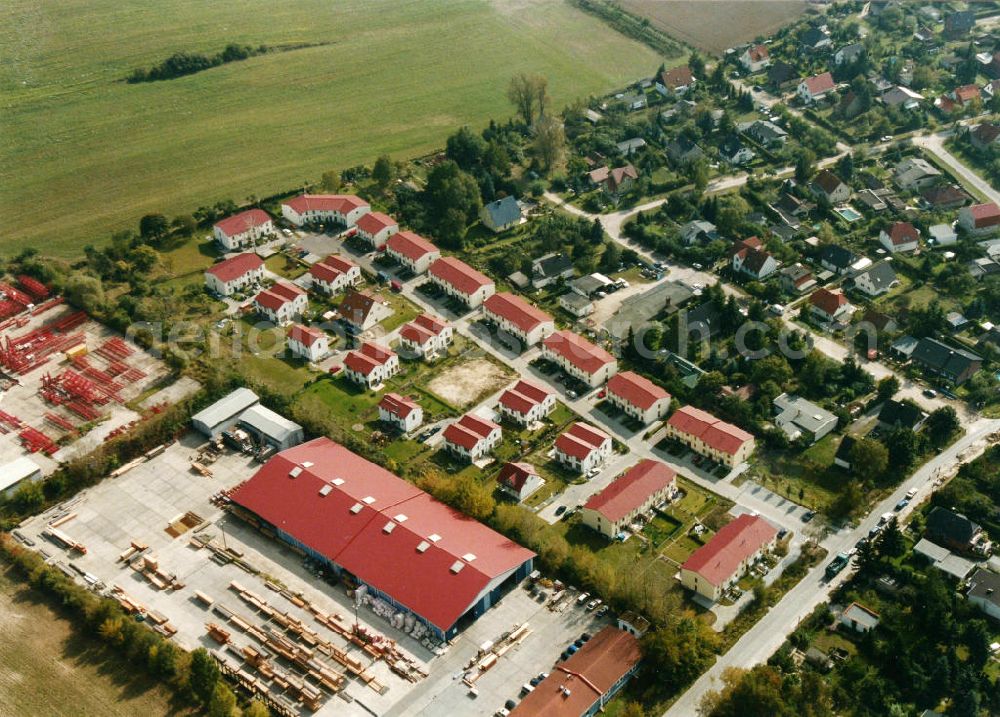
(224, 413)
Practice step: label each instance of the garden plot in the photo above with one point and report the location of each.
(469, 382)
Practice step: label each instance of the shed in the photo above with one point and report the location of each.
(13, 474)
(271, 428)
(224, 413)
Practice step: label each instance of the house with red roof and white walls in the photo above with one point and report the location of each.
(709, 436)
(458, 279)
(342, 209)
(519, 480)
(628, 497)
(472, 437)
(281, 303)
(638, 397)
(412, 251)
(229, 276)
(402, 412)
(719, 564)
(243, 229)
(375, 228)
(426, 336)
(515, 316)
(370, 364)
(333, 274)
(579, 358)
(526, 403)
(980, 219)
(307, 342)
(583, 447)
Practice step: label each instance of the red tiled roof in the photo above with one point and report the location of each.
(422, 328)
(578, 351)
(637, 390)
(985, 215)
(329, 268)
(469, 430)
(829, 302)
(631, 489)
(278, 295)
(735, 542)
(239, 223)
(675, 77)
(903, 233)
(580, 440)
(575, 685)
(410, 244)
(519, 312)
(966, 93)
(343, 203)
(234, 268)
(433, 560)
(514, 475)
(367, 358)
(434, 324)
(459, 275)
(357, 305)
(305, 335)
(719, 435)
(758, 53)
(374, 222)
(819, 84)
(523, 397)
(399, 406)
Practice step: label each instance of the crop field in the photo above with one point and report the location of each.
(48, 669)
(715, 25)
(83, 153)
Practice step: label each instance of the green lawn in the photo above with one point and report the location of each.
(395, 77)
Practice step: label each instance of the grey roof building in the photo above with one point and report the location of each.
(901, 414)
(224, 413)
(984, 592)
(550, 268)
(271, 428)
(800, 418)
(952, 364)
(501, 214)
(877, 280)
(631, 146)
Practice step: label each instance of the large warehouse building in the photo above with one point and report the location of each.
(403, 545)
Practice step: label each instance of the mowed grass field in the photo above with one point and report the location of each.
(715, 25)
(82, 153)
(48, 669)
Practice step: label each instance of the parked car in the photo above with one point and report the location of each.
(930, 393)
(808, 515)
(560, 510)
(911, 493)
(582, 599)
(592, 605)
(902, 504)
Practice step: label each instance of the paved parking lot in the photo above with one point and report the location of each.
(141, 504)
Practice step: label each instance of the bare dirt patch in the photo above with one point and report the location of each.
(715, 25)
(467, 383)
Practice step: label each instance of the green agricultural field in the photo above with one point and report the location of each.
(84, 153)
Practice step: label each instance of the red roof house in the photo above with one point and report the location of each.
(812, 88)
(579, 358)
(519, 480)
(471, 436)
(518, 317)
(241, 270)
(376, 228)
(462, 281)
(829, 305)
(979, 218)
(251, 221)
(526, 402)
(583, 447)
(709, 436)
(428, 558)
(724, 559)
(638, 396)
(644, 485)
(676, 79)
(412, 250)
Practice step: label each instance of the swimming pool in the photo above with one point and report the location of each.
(848, 214)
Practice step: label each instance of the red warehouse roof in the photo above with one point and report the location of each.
(239, 223)
(428, 557)
(735, 542)
(374, 222)
(399, 406)
(632, 489)
(458, 274)
(342, 203)
(409, 244)
(516, 310)
(305, 335)
(719, 435)
(240, 265)
(580, 440)
(635, 389)
(578, 351)
(469, 430)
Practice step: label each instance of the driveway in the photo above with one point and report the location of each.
(934, 143)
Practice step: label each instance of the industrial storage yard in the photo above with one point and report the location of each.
(158, 539)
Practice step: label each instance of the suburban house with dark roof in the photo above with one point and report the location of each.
(755, 58)
(526, 403)
(944, 196)
(959, 24)
(901, 414)
(582, 447)
(583, 684)
(916, 173)
(343, 209)
(734, 152)
(422, 557)
(550, 268)
(579, 358)
(816, 38)
(827, 185)
(698, 231)
(816, 87)
(243, 229)
(677, 80)
(638, 397)
(682, 151)
(629, 497)
(501, 214)
(518, 318)
(767, 133)
(843, 457)
(361, 310)
(375, 228)
(519, 480)
(782, 75)
(900, 237)
(830, 306)
(841, 260)
(333, 274)
(281, 303)
(719, 564)
(750, 258)
(412, 251)
(984, 591)
(231, 275)
(307, 342)
(797, 279)
(426, 336)
(370, 364)
(401, 412)
(984, 135)
(710, 437)
(979, 219)
(458, 279)
(956, 532)
(954, 365)
(472, 437)
(878, 280)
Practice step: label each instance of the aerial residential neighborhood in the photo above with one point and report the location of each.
(576, 358)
